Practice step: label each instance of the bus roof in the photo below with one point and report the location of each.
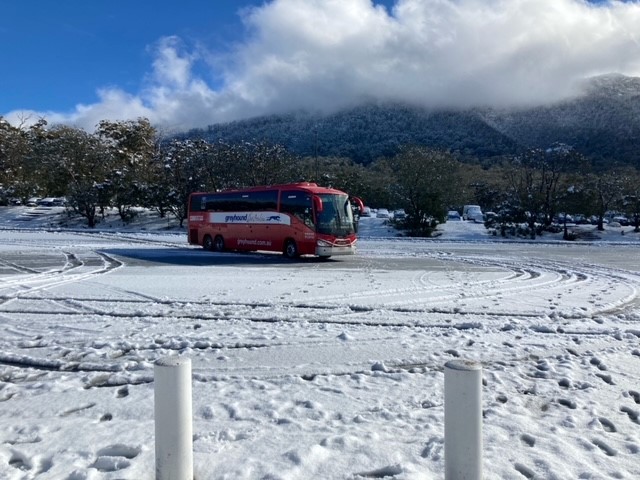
(307, 186)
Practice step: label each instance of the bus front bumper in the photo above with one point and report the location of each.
(326, 249)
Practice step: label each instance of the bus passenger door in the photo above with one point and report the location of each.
(299, 206)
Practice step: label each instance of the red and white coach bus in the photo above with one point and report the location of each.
(295, 219)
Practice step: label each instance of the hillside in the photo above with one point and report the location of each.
(603, 123)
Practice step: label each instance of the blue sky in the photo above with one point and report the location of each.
(58, 53)
(198, 62)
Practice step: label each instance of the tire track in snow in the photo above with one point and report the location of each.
(73, 270)
(514, 281)
(147, 314)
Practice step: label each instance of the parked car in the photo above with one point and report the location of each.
(453, 215)
(383, 213)
(366, 212)
(622, 220)
(472, 212)
(51, 202)
(561, 218)
(399, 214)
(580, 219)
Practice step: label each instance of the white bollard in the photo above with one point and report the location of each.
(173, 419)
(463, 420)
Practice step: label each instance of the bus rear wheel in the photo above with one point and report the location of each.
(218, 243)
(290, 249)
(207, 243)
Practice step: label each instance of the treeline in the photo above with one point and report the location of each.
(128, 164)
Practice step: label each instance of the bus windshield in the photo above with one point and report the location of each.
(336, 216)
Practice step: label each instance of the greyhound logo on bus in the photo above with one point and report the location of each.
(234, 218)
(249, 218)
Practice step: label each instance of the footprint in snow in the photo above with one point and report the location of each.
(607, 425)
(528, 439)
(598, 363)
(631, 413)
(384, 472)
(24, 440)
(80, 408)
(608, 450)
(434, 449)
(605, 378)
(524, 471)
(22, 462)
(568, 403)
(115, 457)
(635, 395)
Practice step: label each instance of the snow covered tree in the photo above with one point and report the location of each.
(265, 163)
(181, 162)
(425, 185)
(21, 172)
(131, 145)
(84, 160)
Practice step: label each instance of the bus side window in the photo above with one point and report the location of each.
(299, 205)
(198, 203)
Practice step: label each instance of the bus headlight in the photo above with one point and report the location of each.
(323, 243)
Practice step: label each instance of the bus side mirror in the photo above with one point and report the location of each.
(359, 203)
(317, 204)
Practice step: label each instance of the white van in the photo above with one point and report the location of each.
(472, 212)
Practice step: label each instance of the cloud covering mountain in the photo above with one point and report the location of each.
(324, 55)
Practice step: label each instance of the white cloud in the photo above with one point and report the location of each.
(327, 54)
(113, 104)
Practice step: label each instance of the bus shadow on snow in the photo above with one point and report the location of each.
(203, 258)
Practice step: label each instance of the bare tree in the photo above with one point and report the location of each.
(538, 180)
(605, 193)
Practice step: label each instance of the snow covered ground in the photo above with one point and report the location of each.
(309, 369)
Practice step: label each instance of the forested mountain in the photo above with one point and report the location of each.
(603, 123)
(367, 132)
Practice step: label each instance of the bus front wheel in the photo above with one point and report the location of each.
(290, 249)
(207, 243)
(218, 243)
